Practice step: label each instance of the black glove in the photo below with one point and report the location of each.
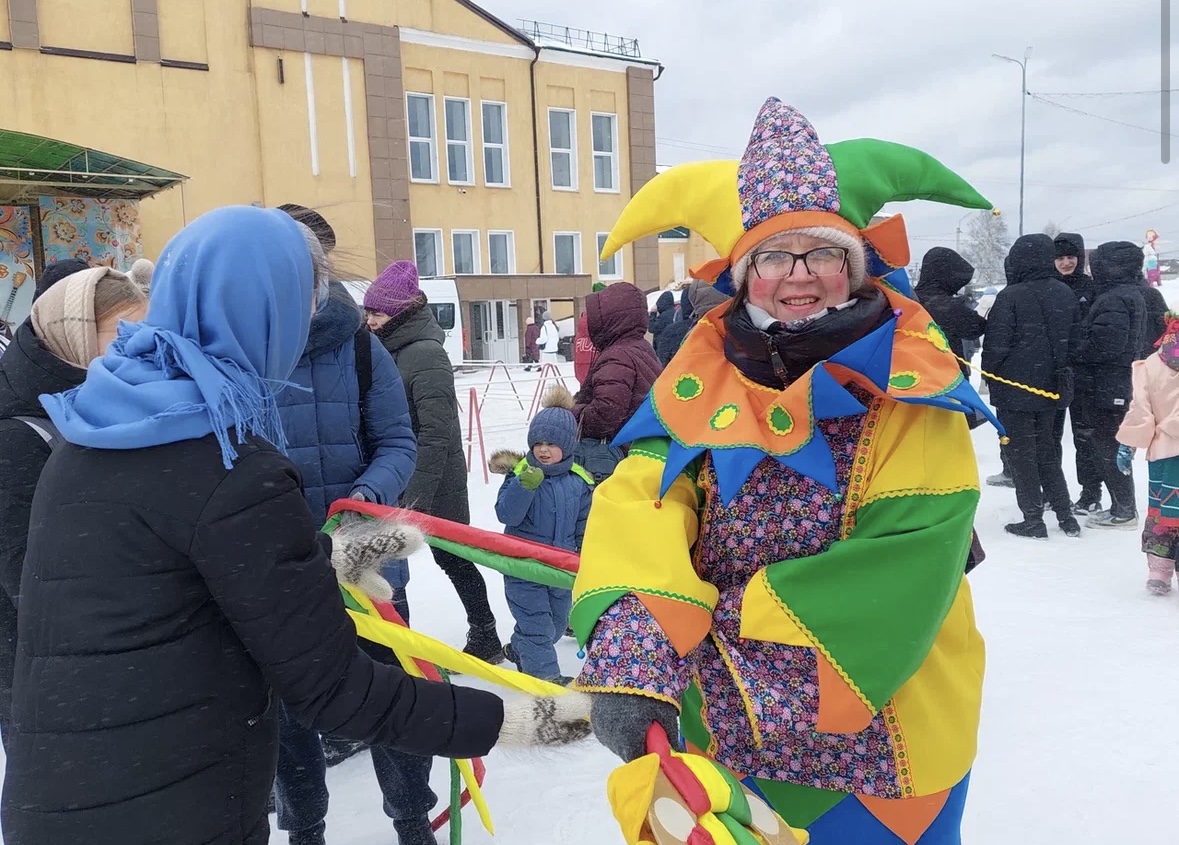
(620, 722)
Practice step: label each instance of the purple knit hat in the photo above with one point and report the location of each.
(394, 290)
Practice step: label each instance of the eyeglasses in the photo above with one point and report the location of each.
(778, 264)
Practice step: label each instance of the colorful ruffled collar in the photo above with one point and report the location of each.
(704, 404)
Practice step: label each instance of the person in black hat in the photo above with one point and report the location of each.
(57, 271)
(314, 221)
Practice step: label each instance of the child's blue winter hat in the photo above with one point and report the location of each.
(556, 426)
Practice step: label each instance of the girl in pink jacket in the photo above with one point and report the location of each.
(1152, 423)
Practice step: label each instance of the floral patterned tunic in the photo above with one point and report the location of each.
(762, 696)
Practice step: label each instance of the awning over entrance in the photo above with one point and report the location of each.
(33, 166)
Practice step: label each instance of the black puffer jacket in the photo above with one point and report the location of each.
(1028, 327)
(664, 315)
(1081, 284)
(944, 273)
(668, 341)
(166, 605)
(697, 299)
(1111, 336)
(27, 370)
(1156, 316)
(439, 482)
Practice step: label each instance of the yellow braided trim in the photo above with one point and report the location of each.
(819, 647)
(713, 746)
(992, 377)
(579, 687)
(745, 699)
(918, 491)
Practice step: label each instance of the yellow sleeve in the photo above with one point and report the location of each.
(639, 542)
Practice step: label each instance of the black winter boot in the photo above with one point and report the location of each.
(1070, 526)
(1032, 529)
(414, 831)
(483, 643)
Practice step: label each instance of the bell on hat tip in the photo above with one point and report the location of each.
(1004, 440)
(995, 212)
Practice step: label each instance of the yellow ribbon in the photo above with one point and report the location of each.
(411, 645)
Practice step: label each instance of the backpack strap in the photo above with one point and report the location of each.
(362, 343)
(44, 428)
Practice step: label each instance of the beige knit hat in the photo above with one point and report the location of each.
(63, 317)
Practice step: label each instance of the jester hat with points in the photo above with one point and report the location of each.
(787, 181)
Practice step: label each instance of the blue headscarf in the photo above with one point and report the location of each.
(226, 324)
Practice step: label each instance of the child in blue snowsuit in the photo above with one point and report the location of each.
(546, 498)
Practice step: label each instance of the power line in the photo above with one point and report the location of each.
(1040, 99)
(1127, 217)
(1101, 93)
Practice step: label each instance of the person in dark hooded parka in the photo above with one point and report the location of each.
(1070, 268)
(944, 273)
(1106, 346)
(696, 300)
(1027, 342)
(663, 316)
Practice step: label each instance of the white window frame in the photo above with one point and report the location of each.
(571, 151)
(476, 258)
(614, 168)
(616, 259)
(511, 237)
(467, 145)
(576, 250)
(502, 147)
(432, 140)
(440, 258)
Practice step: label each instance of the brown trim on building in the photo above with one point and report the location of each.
(145, 28)
(72, 53)
(23, 27)
(640, 98)
(177, 63)
(379, 47)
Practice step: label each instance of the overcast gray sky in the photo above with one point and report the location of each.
(920, 72)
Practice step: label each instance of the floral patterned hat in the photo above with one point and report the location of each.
(789, 182)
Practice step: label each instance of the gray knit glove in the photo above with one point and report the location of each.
(620, 722)
(359, 549)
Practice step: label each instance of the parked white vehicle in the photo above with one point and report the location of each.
(442, 295)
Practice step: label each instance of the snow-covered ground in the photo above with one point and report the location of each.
(1080, 735)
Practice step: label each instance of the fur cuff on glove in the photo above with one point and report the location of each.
(360, 548)
(559, 720)
(621, 721)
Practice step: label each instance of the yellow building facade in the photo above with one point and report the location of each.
(679, 251)
(426, 129)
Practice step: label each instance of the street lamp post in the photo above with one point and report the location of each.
(1023, 120)
(958, 232)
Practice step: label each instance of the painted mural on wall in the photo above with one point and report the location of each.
(99, 232)
(17, 271)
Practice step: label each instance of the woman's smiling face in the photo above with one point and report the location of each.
(791, 293)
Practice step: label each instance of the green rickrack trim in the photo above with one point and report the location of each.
(761, 446)
(687, 387)
(905, 380)
(724, 417)
(779, 420)
(655, 448)
(703, 605)
(942, 343)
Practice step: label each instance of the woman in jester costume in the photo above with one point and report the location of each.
(775, 572)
